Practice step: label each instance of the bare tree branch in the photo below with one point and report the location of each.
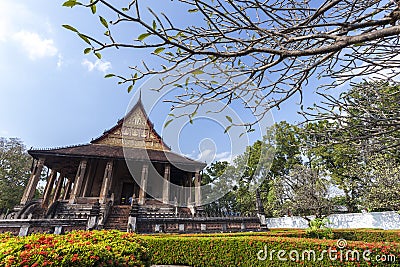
(272, 48)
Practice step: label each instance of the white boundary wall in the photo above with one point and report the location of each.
(383, 220)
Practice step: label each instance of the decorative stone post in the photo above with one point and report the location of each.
(133, 214)
(167, 173)
(80, 174)
(33, 181)
(143, 184)
(93, 219)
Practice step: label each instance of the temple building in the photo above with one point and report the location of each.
(126, 179)
(130, 163)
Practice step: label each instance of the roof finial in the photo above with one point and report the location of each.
(140, 95)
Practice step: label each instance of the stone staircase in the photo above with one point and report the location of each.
(118, 218)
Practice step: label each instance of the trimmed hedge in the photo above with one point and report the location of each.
(81, 248)
(366, 235)
(243, 250)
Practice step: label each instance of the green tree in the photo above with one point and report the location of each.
(367, 116)
(338, 159)
(226, 204)
(305, 192)
(14, 171)
(382, 174)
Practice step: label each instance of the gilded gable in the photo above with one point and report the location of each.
(135, 130)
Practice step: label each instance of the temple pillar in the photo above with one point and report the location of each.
(58, 187)
(189, 184)
(167, 173)
(49, 188)
(105, 187)
(143, 184)
(32, 183)
(67, 189)
(197, 188)
(80, 174)
(88, 179)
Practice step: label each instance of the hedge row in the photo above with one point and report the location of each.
(82, 248)
(253, 251)
(366, 235)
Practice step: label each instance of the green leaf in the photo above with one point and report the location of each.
(109, 75)
(143, 36)
(154, 25)
(68, 27)
(196, 72)
(125, 9)
(87, 50)
(229, 119)
(193, 10)
(93, 8)
(98, 55)
(130, 87)
(103, 21)
(159, 50)
(167, 123)
(71, 3)
(227, 128)
(84, 38)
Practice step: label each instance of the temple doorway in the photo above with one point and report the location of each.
(127, 192)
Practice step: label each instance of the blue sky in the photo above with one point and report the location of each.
(54, 95)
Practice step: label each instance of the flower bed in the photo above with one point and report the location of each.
(82, 248)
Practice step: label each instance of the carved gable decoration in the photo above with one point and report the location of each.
(135, 130)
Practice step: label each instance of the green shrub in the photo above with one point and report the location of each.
(81, 248)
(318, 229)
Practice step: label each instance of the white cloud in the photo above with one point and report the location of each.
(99, 65)
(11, 15)
(223, 156)
(34, 45)
(209, 156)
(60, 61)
(4, 132)
(17, 29)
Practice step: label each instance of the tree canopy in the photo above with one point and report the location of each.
(15, 166)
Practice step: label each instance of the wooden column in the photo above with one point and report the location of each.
(167, 173)
(197, 188)
(33, 181)
(105, 187)
(189, 182)
(80, 174)
(58, 187)
(49, 188)
(67, 189)
(89, 178)
(143, 184)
